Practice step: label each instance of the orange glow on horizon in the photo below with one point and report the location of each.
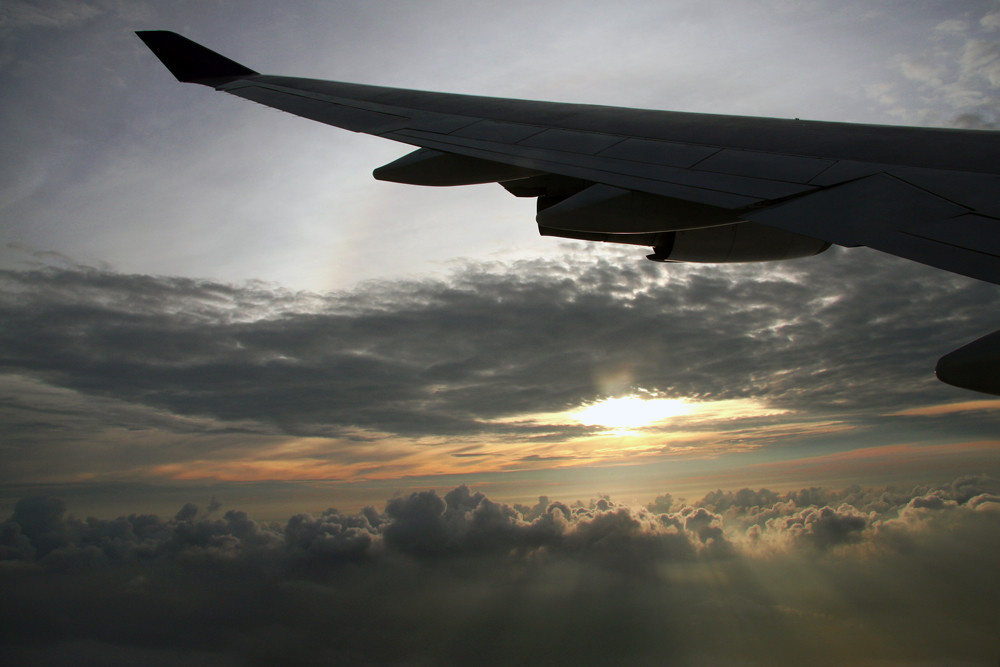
(948, 408)
(381, 457)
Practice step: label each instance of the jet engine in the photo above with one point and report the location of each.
(742, 242)
(678, 231)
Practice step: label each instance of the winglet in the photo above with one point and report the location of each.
(191, 62)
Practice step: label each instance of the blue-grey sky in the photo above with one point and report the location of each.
(215, 326)
(230, 282)
(109, 161)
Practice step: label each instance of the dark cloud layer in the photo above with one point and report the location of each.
(101, 371)
(849, 331)
(868, 576)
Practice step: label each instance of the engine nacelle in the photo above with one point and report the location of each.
(604, 209)
(975, 366)
(742, 242)
(429, 167)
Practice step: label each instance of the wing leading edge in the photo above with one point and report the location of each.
(694, 187)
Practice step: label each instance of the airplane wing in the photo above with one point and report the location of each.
(693, 187)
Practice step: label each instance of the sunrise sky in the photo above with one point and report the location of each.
(211, 313)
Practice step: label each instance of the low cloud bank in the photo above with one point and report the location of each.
(746, 576)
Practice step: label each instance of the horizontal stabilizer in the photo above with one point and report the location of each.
(191, 62)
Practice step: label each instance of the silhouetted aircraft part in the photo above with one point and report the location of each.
(191, 62)
(428, 167)
(599, 208)
(694, 187)
(744, 242)
(975, 366)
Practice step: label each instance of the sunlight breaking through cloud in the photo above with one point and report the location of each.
(626, 413)
(646, 412)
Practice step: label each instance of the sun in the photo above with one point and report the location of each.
(630, 412)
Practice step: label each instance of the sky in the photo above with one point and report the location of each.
(257, 406)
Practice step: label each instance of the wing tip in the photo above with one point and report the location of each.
(191, 62)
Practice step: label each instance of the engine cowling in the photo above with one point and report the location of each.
(678, 230)
(610, 210)
(429, 167)
(975, 366)
(742, 242)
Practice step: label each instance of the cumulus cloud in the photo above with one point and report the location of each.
(434, 579)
